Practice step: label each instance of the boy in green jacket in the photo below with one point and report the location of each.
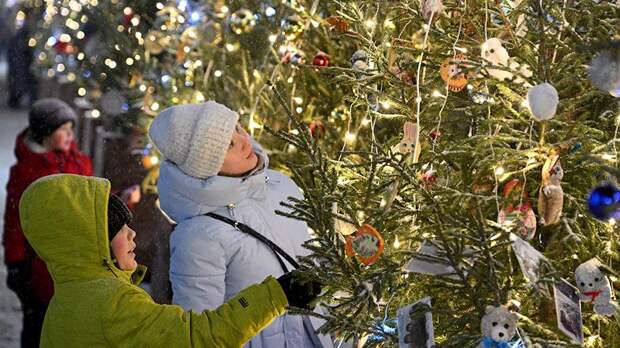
(70, 220)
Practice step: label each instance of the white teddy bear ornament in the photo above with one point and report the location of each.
(499, 325)
(594, 287)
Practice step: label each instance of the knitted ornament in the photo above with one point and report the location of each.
(604, 70)
(543, 101)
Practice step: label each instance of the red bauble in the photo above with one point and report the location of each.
(321, 59)
(63, 47)
(127, 17)
(435, 134)
(317, 129)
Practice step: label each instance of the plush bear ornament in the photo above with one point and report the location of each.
(594, 287)
(499, 325)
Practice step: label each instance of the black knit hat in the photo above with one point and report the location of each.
(47, 115)
(118, 215)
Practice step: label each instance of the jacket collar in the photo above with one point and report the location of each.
(27, 149)
(183, 196)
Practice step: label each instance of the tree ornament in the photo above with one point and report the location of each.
(367, 245)
(317, 129)
(242, 21)
(604, 202)
(436, 134)
(415, 325)
(429, 177)
(517, 211)
(543, 101)
(63, 47)
(594, 287)
(499, 325)
(451, 72)
(340, 225)
(292, 57)
(149, 161)
(431, 7)
(551, 195)
(400, 66)
(430, 259)
(408, 143)
(127, 16)
(493, 52)
(337, 24)
(360, 60)
(113, 102)
(321, 59)
(604, 70)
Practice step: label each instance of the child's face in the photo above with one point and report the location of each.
(123, 246)
(240, 157)
(61, 139)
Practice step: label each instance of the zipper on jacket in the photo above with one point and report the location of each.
(231, 209)
(106, 263)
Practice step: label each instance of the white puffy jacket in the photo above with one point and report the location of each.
(210, 261)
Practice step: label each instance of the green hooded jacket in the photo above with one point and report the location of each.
(95, 304)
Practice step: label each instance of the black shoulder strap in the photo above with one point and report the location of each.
(249, 230)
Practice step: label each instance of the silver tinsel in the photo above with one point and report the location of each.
(604, 71)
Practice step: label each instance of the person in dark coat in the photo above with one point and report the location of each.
(21, 80)
(46, 147)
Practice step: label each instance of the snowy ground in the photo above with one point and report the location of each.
(11, 122)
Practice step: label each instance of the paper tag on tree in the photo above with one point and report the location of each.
(568, 310)
(340, 225)
(530, 261)
(415, 325)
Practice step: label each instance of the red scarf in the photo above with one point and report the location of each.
(593, 294)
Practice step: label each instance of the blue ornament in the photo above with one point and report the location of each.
(604, 202)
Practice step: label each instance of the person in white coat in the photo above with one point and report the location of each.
(211, 165)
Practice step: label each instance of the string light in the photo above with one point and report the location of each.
(396, 242)
(81, 91)
(437, 94)
(349, 137)
(499, 171)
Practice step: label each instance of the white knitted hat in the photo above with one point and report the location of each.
(195, 137)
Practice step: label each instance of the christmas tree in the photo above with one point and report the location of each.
(464, 150)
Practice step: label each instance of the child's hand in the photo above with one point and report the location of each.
(300, 292)
(131, 195)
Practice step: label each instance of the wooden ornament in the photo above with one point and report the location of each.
(366, 245)
(337, 24)
(451, 72)
(551, 195)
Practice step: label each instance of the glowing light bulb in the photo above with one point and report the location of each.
(499, 171)
(370, 23)
(396, 243)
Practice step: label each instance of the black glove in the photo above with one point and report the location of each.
(299, 292)
(18, 279)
